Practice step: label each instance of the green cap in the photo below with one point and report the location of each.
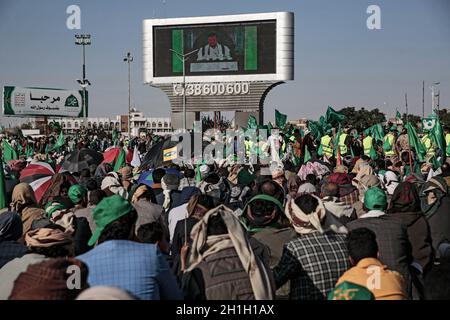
(350, 291)
(77, 193)
(245, 177)
(375, 199)
(393, 128)
(108, 210)
(53, 206)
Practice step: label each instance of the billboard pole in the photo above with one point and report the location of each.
(184, 58)
(83, 40)
(129, 59)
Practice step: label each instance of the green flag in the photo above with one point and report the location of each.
(333, 116)
(376, 131)
(307, 156)
(59, 142)
(336, 140)
(198, 175)
(280, 119)
(398, 115)
(20, 148)
(437, 135)
(269, 128)
(55, 126)
(8, 152)
(115, 137)
(435, 163)
(252, 123)
(120, 161)
(29, 151)
(373, 153)
(415, 142)
(3, 202)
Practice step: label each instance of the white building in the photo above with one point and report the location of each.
(159, 126)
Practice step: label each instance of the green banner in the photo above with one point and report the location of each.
(177, 45)
(251, 48)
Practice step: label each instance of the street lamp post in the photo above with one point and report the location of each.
(129, 59)
(184, 58)
(433, 96)
(83, 40)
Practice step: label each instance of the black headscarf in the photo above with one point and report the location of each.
(10, 226)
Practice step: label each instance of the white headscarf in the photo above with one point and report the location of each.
(308, 223)
(237, 239)
(390, 182)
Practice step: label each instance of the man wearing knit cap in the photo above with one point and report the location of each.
(394, 247)
(119, 261)
(78, 195)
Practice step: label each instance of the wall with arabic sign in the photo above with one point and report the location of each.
(39, 102)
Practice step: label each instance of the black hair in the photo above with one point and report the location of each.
(311, 178)
(271, 188)
(189, 173)
(222, 172)
(437, 282)
(149, 194)
(212, 178)
(365, 158)
(362, 243)
(56, 251)
(405, 157)
(445, 169)
(381, 164)
(330, 189)
(120, 229)
(307, 203)
(158, 174)
(212, 34)
(216, 226)
(95, 196)
(91, 185)
(85, 173)
(388, 163)
(262, 207)
(150, 232)
(206, 201)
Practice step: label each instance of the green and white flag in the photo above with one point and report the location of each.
(429, 123)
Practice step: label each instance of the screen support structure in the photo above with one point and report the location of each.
(184, 58)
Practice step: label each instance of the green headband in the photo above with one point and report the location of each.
(267, 198)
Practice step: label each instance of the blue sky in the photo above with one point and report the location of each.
(338, 61)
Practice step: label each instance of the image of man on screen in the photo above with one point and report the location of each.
(214, 51)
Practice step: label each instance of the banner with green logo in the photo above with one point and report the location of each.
(40, 102)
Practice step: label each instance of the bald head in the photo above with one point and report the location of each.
(330, 190)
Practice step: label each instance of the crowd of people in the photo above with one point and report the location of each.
(343, 216)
